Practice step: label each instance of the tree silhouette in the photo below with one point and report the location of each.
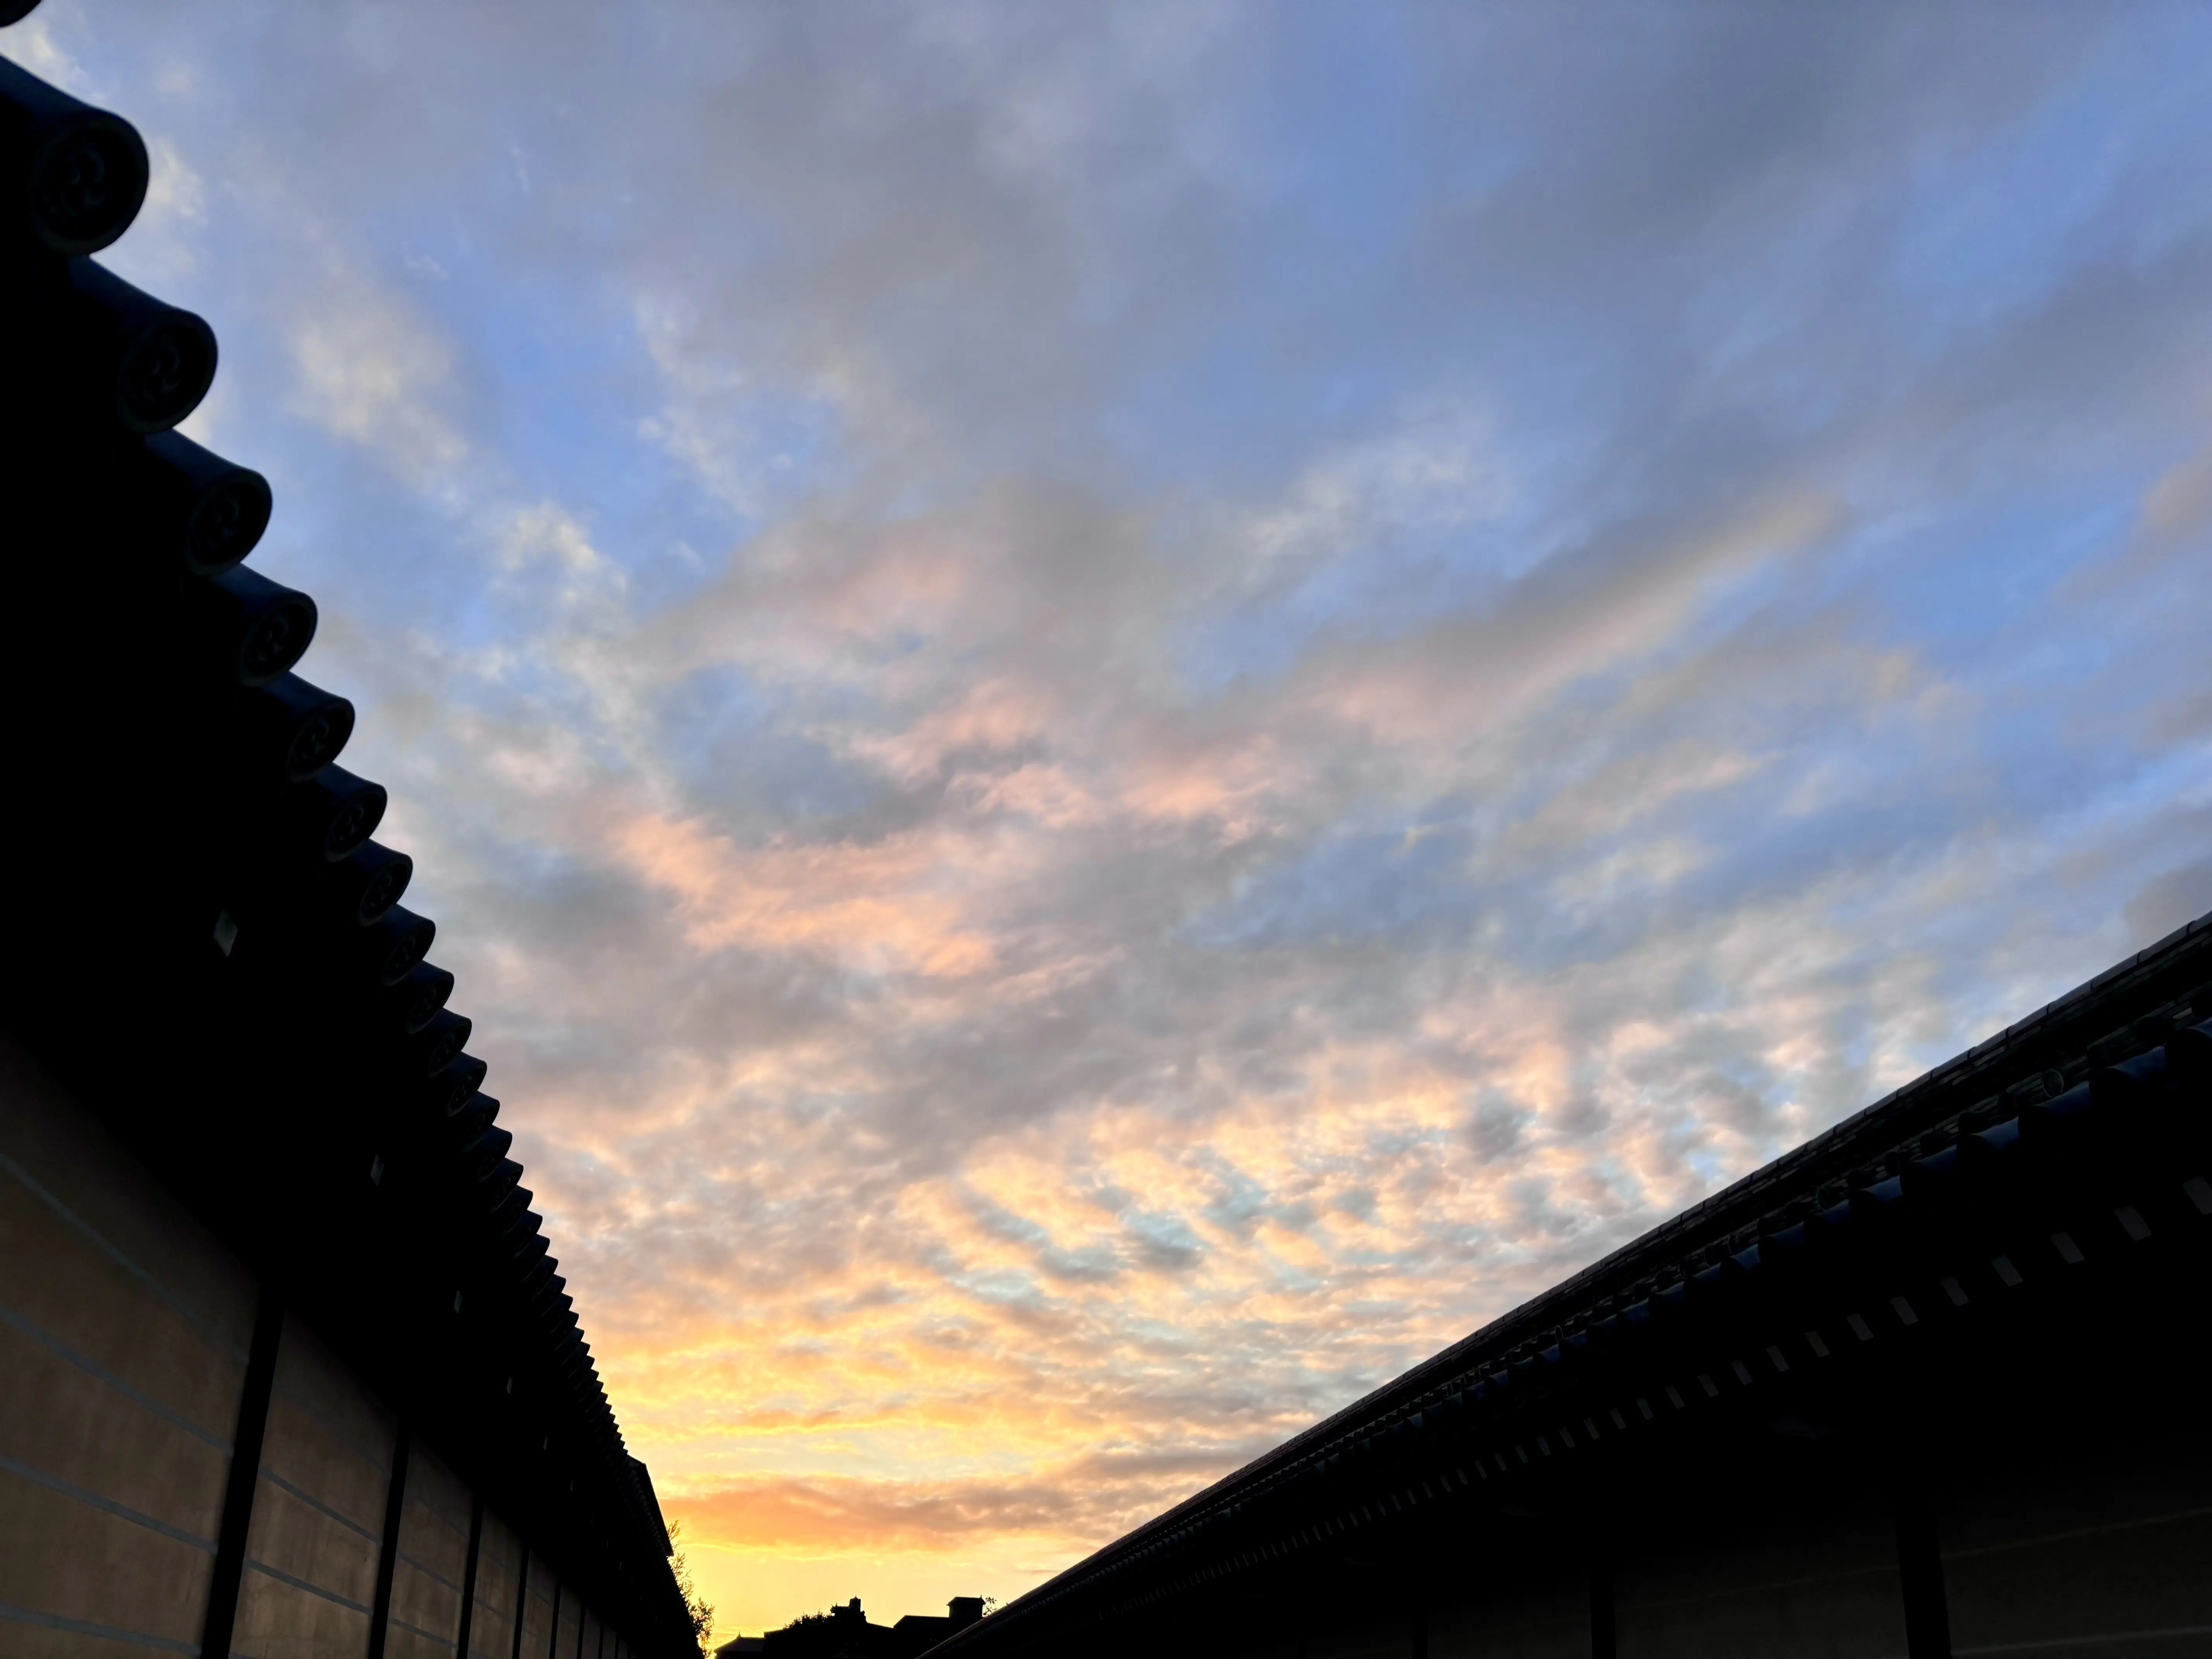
(702, 1615)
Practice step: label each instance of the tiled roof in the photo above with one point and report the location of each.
(208, 944)
(2042, 1160)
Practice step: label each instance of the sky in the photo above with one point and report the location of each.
(1118, 713)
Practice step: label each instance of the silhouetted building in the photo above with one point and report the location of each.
(845, 1633)
(286, 1367)
(921, 1631)
(1932, 1383)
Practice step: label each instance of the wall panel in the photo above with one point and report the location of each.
(317, 1511)
(124, 1328)
(537, 1610)
(432, 1563)
(1817, 1583)
(1389, 1636)
(571, 1628)
(1530, 1613)
(499, 1575)
(2078, 1559)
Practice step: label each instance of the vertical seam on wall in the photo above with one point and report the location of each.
(469, 1577)
(521, 1596)
(1920, 1577)
(245, 1475)
(553, 1636)
(388, 1559)
(1604, 1617)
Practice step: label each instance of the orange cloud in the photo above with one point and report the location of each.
(870, 904)
(828, 1516)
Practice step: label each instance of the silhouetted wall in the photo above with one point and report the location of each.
(2083, 1553)
(125, 1336)
(2108, 1552)
(537, 1612)
(311, 1555)
(499, 1576)
(1815, 1581)
(432, 1563)
(567, 1640)
(1543, 1614)
(124, 1333)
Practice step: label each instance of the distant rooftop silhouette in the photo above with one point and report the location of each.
(845, 1633)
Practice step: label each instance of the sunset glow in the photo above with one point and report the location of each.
(1118, 713)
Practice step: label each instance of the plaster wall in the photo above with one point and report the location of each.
(1390, 1639)
(537, 1616)
(123, 1331)
(2077, 1558)
(318, 1529)
(499, 1575)
(1817, 1583)
(433, 1562)
(1526, 1613)
(569, 1629)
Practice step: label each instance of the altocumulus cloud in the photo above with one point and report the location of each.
(1120, 711)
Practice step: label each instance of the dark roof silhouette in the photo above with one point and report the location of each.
(1983, 1224)
(845, 1632)
(210, 947)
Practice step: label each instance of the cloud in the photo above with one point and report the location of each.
(2166, 901)
(1117, 714)
(845, 1517)
(838, 1518)
(369, 372)
(805, 897)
